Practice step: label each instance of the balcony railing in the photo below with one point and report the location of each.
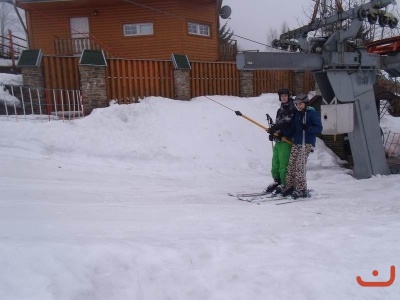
(228, 51)
(66, 46)
(11, 47)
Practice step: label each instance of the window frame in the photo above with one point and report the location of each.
(137, 25)
(198, 28)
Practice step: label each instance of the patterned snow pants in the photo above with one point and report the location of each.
(296, 172)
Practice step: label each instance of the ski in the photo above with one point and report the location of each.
(260, 199)
(255, 198)
(292, 200)
(248, 194)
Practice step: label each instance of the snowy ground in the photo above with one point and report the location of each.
(131, 203)
(5, 63)
(5, 97)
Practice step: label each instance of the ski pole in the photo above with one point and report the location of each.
(303, 146)
(270, 123)
(269, 119)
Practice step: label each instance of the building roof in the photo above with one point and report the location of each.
(73, 4)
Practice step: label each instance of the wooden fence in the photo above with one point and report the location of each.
(214, 78)
(61, 72)
(129, 80)
(309, 83)
(266, 81)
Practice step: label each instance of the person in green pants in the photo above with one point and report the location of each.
(278, 132)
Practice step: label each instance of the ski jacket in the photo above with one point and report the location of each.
(284, 118)
(313, 121)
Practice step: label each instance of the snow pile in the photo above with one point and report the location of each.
(5, 63)
(131, 203)
(7, 99)
(10, 79)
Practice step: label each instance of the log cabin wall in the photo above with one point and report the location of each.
(170, 28)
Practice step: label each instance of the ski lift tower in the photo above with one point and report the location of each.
(345, 74)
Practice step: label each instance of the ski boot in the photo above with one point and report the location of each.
(300, 194)
(273, 186)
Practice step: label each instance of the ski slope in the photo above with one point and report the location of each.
(131, 203)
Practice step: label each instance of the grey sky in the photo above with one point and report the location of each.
(253, 18)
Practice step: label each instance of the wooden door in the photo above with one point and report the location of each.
(79, 34)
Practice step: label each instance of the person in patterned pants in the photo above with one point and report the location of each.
(306, 125)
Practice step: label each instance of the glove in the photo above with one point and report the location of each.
(304, 127)
(272, 129)
(238, 113)
(271, 137)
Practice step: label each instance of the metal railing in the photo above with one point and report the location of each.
(392, 144)
(11, 47)
(391, 107)
(20, 103)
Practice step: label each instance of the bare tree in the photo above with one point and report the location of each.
(273, 34)
(8, 21)
(284, 26)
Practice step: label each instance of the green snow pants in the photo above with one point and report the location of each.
(280, 160)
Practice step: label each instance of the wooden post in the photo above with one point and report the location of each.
(10, 36)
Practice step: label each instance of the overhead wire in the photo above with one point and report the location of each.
(219, 103)
(259, 43)
(177, 16)
(154, 9)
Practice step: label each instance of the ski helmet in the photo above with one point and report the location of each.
(301, 98)
(283, 91)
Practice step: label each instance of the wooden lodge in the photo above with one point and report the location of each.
(129, 29)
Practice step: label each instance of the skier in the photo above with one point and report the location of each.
(306, 125)
(281, 150)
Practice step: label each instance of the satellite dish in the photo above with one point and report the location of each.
(225, 12)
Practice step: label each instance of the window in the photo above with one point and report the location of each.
(198, 29)
(138, 29)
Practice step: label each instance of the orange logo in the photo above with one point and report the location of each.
(378, 283)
